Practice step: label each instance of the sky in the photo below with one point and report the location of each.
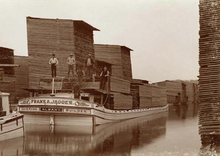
(162, 33)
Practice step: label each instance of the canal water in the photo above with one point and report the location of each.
(174, 134)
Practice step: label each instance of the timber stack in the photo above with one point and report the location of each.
(180, 91)
(147, 95)
(7, 74)
(209, 61)
(132, 93)
(63, 37)
(22, 77)
(60, 37)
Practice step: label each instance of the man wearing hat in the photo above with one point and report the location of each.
(71, 63)
(53, 62)
(89, 65)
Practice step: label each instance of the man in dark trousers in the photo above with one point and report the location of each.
(53, 62)
(71, 63)
(89, 65)
(104, 78)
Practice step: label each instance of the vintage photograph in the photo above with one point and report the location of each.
(109, 78)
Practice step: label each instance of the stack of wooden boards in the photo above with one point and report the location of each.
(118, 56)
(209, 58)
(184, 90)
(174, 89)
(22, 74)
(122, 101)
(121, 73)
(59, 37)
(7, 74)
(148, 95)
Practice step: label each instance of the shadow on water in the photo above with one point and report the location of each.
(109, 139)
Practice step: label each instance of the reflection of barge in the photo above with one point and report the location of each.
(109, 139)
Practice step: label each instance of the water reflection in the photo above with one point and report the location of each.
(161, 134)
(184, 111)
(110, 139)
(13, 147)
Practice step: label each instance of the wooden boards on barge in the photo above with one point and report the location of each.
(118, 56)
(181, 89)
(148, 95)
(59, 37)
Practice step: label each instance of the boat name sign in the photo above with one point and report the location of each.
(75, 111)
(53, 102)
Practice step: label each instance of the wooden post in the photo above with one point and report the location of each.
(52, 94)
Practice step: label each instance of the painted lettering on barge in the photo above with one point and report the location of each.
(53, 102)
(77, 111)
(28, 109)
(51, 109)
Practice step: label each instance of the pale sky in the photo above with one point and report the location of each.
(162, 33)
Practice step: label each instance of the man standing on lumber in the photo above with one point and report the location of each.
(71, 63)
(104, 76)
(53, 62)
(89, 65)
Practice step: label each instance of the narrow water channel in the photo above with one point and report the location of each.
(174, 133)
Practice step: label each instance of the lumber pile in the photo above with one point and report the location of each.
(7, 74)
(119, 85)
(145, 95)
(148, 95)
(22, 77)
(135, 96)
(158, 96)
(122, 101)
(7, 57)
(118, 56)
(59, 37)
(191, 92)
(90, 85)
(209, 80)
(8, 85)
(173, 89)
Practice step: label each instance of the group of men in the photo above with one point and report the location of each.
(89, 63)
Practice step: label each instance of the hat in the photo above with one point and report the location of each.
(71, 54)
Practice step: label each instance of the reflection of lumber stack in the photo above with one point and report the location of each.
(209, 58)
(122, 101)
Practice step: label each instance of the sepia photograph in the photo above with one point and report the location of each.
(110, 78)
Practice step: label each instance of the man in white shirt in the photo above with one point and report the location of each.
(89, 65)
(53, 62)
(71, 63)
